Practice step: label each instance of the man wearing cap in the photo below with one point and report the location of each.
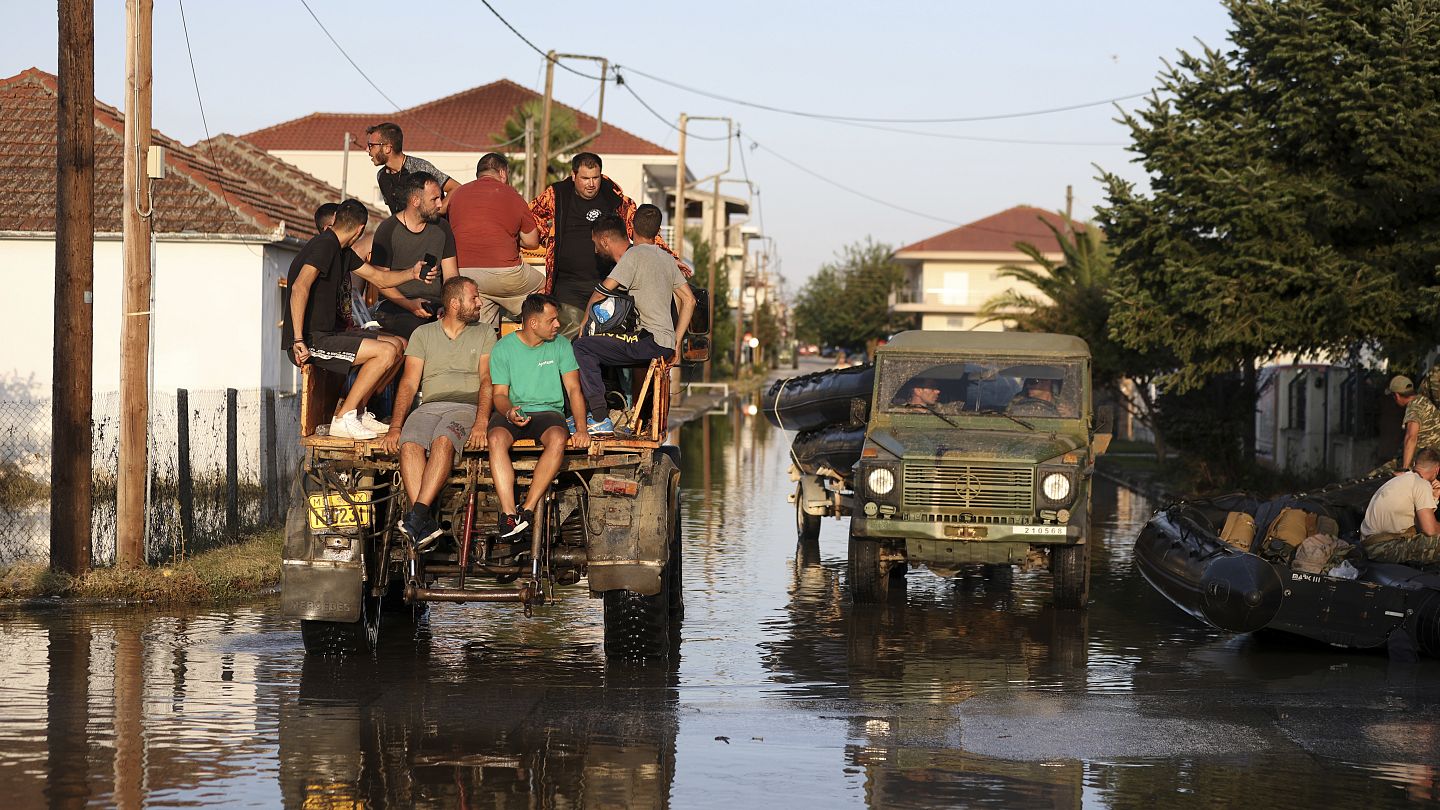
(1421, 421)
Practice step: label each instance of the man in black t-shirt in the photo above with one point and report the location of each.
(314, 329)
(565, 211)
(416, 234)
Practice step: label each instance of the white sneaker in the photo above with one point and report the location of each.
(369, 420)
(348, 426)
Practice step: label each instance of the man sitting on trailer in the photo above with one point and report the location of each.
(535, 374)
(651, 277)
(448, 362)
(1400, 524)
(318, 284)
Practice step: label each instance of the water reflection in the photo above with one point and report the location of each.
(965, 692)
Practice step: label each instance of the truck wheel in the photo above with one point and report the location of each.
(638, 627)
(344, 638)
(1070, 572)
(868, 581)
(644, 627)
(807, 526)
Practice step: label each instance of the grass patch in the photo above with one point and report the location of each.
(228, 572)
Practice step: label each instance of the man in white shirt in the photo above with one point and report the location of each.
(1400, 524)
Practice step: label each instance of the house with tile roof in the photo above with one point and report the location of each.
(452, 133)
(228, 219)
(952, 274)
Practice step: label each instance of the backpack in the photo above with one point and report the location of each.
(615, 314)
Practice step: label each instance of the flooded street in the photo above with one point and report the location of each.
(969, 692)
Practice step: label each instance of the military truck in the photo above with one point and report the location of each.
(611, 517)
(976, 448)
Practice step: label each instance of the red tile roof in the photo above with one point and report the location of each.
(238, 196)
(997, 233)
(468, 121)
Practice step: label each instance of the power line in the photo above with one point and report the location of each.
(536, 48)
(209, 144)
(384, 95)
(856, 192)
(666, 121)
(862, 119)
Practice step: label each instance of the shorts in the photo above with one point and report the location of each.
(432, 420)
(540, 421)
(402, 322)
(334, 351)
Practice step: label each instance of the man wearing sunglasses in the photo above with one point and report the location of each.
(385, 144)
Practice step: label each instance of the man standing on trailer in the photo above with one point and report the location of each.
(565, 211)
(534, 374)
(385, 144)
(448, 361)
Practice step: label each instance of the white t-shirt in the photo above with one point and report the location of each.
(1392, 507)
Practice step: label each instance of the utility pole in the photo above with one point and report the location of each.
(1069, 205)
(544, 162)
(73, 369)
(135, 292)
(530, 190)
(344, 166)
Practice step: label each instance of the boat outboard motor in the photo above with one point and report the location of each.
(1240, 593)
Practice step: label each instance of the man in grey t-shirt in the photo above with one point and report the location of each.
(651, 277)
(385, 144)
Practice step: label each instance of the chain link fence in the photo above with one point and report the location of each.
(221, 463)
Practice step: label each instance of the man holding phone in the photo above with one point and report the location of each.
(534, 375)
(415, 233)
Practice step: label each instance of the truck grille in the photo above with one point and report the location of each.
(966, 489)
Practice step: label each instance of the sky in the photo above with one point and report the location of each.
(265, 61)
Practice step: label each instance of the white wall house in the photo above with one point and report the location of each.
(951, 275)
(1314, 417)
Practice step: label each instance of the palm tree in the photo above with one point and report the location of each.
(563, 130)
(1071, 296)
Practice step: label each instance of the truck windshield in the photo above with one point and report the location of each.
(1017, 387)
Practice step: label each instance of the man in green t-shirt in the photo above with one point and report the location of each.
(448, 361)
(535, 374)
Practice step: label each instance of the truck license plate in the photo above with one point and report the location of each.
(334, 512)
(1046, 530)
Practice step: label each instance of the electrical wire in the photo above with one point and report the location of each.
(536, 48)
(867, 120)
(662, 119)
(384, 95)
(204, 123)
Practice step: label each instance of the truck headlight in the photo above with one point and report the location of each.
(1056, 486)
(881, 480)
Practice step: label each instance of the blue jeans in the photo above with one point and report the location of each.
(611, 350)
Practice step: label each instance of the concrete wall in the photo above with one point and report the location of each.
(216, 310)
(947, 290)
(632, 172)
(1299, 426)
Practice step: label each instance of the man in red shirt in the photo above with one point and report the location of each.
(491, 222)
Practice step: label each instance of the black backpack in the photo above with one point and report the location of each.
(615, 314)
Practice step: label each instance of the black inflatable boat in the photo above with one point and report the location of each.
(824, 399)
(1181, 553)
(836, 448)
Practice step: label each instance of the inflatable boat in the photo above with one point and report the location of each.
(836, 448)
(1224, 561)
(823, 399)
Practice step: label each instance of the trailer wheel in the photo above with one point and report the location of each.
(868, 580)
(644, 627)
(1070, 572)
(807, 526)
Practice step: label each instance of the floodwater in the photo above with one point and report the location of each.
(955, 693)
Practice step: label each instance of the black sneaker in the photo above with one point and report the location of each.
(422, 531)
(513, 525)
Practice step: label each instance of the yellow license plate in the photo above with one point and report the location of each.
(334, 512)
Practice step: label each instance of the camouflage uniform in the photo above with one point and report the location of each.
(1408, 547)
(1423, 412)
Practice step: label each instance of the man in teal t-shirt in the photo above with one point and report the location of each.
(534, 373)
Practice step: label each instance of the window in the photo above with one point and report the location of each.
(1298, 395)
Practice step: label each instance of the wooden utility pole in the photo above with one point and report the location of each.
(73, 370)
(1069, 204)
(544, 167)
(135, 292)
(531, 192)
(344, 166)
